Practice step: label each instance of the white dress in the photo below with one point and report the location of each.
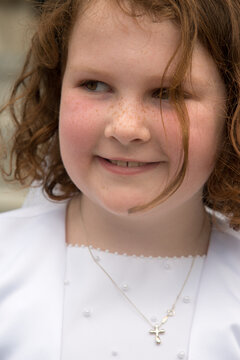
(100, 323)
(56, 304)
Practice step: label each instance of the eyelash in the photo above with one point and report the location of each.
(85, 83)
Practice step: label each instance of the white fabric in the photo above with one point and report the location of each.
(35, 310)
(36, 196)
(114, 324)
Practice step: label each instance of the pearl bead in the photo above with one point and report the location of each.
(181, 355)
(125, 287)
(114, 353)
(86, 313)
(97, 258)
(167, 266)
(66, 282)
(186, 299)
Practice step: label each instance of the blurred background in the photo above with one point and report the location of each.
(17, 22)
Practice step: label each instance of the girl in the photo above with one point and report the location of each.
(127, 112)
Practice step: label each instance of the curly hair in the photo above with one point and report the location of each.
(35, 99)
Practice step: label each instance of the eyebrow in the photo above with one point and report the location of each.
(90, 70)
(97, 72)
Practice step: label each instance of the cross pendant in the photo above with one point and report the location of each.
(157, 331)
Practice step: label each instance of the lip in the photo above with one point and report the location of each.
(126, 170)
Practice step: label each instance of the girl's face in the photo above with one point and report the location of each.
(110, 110)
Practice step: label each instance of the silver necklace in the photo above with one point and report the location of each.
(156, 329)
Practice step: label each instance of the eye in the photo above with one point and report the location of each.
(94, 86)
(164, 93)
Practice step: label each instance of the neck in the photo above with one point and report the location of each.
(182, 232)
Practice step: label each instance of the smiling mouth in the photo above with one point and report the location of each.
(122, 167)
(127, 163)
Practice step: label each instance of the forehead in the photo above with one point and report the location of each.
(105, 37)
(110, 13)
(104, 29)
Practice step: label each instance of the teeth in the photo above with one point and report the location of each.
(135, 164)
(119, 163)
(127, 164)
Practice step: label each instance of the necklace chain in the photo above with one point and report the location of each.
(155, 329)
(170, 312)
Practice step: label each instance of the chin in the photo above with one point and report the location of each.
(119, 206)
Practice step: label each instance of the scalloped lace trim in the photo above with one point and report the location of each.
(134, 256)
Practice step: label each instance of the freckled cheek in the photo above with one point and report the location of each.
(170, 137)
(204, 137)
(79, 126)
(204, 142)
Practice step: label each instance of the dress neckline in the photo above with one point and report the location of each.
(117, 254)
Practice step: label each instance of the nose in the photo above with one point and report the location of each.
(127, 124)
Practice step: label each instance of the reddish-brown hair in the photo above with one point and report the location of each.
(35, 99)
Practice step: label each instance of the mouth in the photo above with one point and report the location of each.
(130, 164)
(130, 167)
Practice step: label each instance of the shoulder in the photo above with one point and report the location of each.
(13, 222)
(32, 267)
(31, 214)
(225, 245)
(224, 235)
(32, 211)
(31, 228)
(218, 296)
